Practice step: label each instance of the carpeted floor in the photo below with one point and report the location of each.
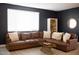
(36, 51)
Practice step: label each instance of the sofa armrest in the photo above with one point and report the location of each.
(72, 41)
(8, 40)
(72, 44)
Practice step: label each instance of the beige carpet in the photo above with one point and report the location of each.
(36, 51)
(3, 50)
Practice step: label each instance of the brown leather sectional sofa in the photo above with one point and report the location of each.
(26, 40)
(71, 44)
(33, 39)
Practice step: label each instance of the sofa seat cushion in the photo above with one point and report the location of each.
(16, 42)
(32, 40)
(58, 42)
(21, 45)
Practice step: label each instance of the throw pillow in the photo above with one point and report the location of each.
(46, 34)
(66, 37)
(13, 36)
(57, 35)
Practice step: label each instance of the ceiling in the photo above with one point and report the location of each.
(50, 6)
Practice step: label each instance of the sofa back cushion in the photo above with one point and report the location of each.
(57, 35)
(40, 34)
(66, 37)
(30, 35)
(73, 36)
(13, 36)
(34, 35)
(25, 36)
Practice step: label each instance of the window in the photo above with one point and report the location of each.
(20, 20)
(72, 23)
